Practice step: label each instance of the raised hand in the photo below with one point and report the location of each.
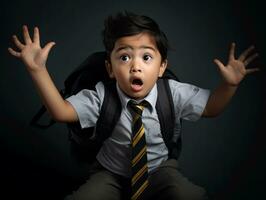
(236, 70)
(31, 53)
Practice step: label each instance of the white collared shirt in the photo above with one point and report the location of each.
(115, 154)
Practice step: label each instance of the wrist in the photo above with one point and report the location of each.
(36, 69)
(229, 86)
(37, 73)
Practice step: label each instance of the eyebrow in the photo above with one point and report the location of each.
(131, 48)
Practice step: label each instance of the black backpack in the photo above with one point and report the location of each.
(87, 75)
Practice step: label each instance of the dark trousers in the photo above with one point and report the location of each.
(166, 182)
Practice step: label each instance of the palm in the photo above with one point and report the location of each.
(31, 52)
(235, 70)
(32, 55)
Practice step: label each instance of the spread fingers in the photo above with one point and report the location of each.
(14, 53)
(26, 35)
(17, 42)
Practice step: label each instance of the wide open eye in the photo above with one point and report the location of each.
(124, 58)
(147, 57)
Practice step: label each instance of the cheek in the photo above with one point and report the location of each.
(121, 74)
(154, 71)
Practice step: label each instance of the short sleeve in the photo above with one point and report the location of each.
(87, 104)
(189, 100)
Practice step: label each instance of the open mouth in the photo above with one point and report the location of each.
(137, 82)
(136, 85)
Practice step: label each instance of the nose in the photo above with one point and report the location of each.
(136, 67)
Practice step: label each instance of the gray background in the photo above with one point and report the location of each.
(225, 154)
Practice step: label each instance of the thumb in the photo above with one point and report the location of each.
(48, 47)
(219, 64)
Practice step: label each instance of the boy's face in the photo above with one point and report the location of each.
(136, 64)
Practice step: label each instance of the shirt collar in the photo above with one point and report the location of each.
(151, 98)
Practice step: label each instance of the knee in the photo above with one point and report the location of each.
(197, 193)
(91, 196)
(174, 193)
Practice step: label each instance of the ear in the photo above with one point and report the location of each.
(163, 67)
(109, 69)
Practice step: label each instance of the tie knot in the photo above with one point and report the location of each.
(138, 107)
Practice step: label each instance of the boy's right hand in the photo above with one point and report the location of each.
(31, 53)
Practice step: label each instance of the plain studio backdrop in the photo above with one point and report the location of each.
(226, 154)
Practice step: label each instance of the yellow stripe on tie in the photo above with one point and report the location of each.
(139, 156)
(138, 136)
(139, 174)
(140, 190)
(140, 107)
(140, 129)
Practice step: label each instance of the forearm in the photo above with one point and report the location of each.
(219, 99)
(48, 93)
(232, 74)
(34, 57)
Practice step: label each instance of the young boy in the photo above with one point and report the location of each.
(136, 56)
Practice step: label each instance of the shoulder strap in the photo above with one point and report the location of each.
(110, 112)
(164, 107)
(84, 148)
(166, 115)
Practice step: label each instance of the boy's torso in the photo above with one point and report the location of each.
(189, 101)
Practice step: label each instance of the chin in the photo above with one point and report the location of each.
(137, 96)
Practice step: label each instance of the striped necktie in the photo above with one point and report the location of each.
(139, 178)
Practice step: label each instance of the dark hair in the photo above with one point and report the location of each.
(128, 24)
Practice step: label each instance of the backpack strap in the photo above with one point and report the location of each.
(84, 147)
(110, 112)
(166, 114)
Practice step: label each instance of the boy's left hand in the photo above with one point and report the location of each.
(235, 70)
